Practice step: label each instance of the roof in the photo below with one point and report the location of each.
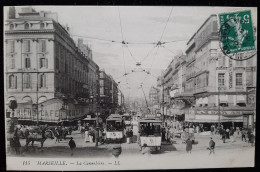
(150, 120)
(114, 117)
(89, 119)
(126, 114)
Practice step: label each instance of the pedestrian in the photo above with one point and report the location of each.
(82, 131)
(72, 145)
(212, 129)
(243, 134)
(227, 134)
(91, 134)
(251, 139)
(188, 145)
(211, 146)
(146, 150)
(86, 136)
(224, 136)
(249, 134)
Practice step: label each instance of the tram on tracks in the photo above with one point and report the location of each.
(115, 127)
(150, 130)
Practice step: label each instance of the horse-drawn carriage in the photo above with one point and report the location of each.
(150, 133)
(115, 128)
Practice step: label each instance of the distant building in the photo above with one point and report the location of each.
(108, 93)
(45, 72)
(154, 103)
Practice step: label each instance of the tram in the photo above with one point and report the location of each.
(150, 133)
(115, 127)
(127, 119)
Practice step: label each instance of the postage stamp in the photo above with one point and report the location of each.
(237, 34)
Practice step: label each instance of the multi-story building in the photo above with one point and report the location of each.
(154, 103)
(121, 101)
(45, 72)
(108, 93)
(92, 78)
(209, 87)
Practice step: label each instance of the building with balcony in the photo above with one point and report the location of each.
(108, 93)
(154, 103)
(219, 84)
(45, 72)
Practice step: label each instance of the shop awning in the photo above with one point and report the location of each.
(241, 99)
(223, 98)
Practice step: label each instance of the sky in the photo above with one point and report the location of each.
(135, 25)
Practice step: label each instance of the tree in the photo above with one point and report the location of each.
(13, 105)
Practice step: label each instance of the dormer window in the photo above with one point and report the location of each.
(26, 26)
(42, 26)
(11, 26)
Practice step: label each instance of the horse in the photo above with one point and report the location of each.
(32, 137)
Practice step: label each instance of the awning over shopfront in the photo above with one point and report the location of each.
(223, 98)
(241, 99)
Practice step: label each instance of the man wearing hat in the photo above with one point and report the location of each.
(211, 146)
(72, 145)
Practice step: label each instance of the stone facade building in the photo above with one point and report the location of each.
(45, 72)
(108, 93)
(214, 88)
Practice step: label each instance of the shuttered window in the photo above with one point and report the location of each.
(26, 46)
(42, 81)
(221, 79)
(12, 44)
(26, 81)
(42, 45)
(239, 79)
(43, 63)
(11, 62)
(12, 81)
(27, 62)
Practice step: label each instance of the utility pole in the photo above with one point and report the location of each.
(163, 100)
(219, 106)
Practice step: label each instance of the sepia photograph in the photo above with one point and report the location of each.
(129, 87)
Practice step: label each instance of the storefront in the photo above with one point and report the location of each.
(236, 117)
(50, 111)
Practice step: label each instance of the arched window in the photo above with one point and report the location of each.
(27, 99)
(42, 99)
(42, 26)
(11, 26)
(26, 26)
(42, 81)
(12, 81)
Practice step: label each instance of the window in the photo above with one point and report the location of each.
(27, 81)
(221, 79)
(11, 26)
(42, 45)
(42, 26)
(57, 63)
(12, 63)
(27, 62)
(26, 45)
(12, 81)
(239, 79)
(42, 80)
(43, 62)
(26, 26)
(221, 61)
(12, 46)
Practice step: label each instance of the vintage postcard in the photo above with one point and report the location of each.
(129, 87)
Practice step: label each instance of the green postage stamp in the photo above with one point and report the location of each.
(236, 32)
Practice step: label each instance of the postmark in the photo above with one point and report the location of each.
(236, 35)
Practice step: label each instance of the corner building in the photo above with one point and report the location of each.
(44, 70)
(223, 89)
